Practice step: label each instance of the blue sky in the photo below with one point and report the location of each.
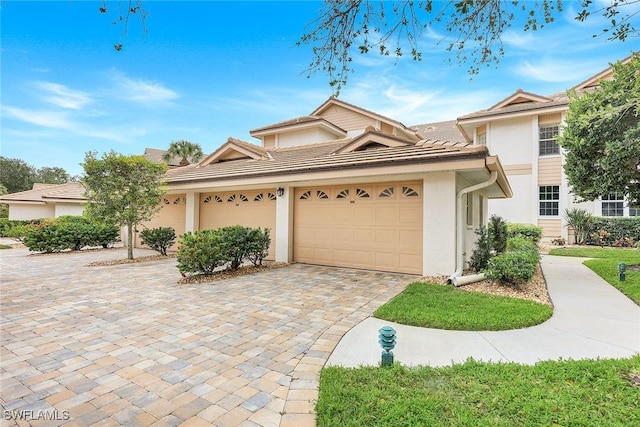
(207, 70)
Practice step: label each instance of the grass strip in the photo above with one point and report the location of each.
(575, 393)
(446, 307)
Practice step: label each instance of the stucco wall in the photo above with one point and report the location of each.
(23, 212)
(439, 229)
(68, 209)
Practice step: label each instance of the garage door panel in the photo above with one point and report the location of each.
(369, 226)
(246, 208)
(172, 213)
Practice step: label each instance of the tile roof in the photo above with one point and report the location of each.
(155, 155)
(446, 131)
(556, 100)
(322, 157)
(71, 191)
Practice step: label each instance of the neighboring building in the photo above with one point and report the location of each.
(346, 187)
(46, 201)
(522, 129)
(157, 156)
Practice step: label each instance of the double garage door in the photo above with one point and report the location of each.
(369, 226)
(377, 226)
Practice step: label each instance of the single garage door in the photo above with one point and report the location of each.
(369, 226)
(246, 208)
(172, 213)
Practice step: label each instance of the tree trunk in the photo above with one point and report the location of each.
(130, 241)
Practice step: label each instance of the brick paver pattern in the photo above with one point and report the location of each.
(127, 345)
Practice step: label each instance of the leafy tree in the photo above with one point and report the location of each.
(188, 151)
(602, 136)
(52, 175)
(473, 29)
(125, 190)
(16, 175)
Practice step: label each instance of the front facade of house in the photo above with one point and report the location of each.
(522, 130)
(345, 187)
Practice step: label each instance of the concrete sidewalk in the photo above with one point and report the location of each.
(591, 319)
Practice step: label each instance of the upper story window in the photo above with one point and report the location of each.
(547, 135)
(613, 205)
(549, 199)
(481, 139)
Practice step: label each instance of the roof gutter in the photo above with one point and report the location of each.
(456, 278)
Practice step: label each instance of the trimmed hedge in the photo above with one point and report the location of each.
(528, 231)
(68, 232)
(7, 226)
(613, 231)
(159, 239)
(202, 251)
(517, 265)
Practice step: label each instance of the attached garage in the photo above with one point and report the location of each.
(246, 208)
(172, 214)
(370, 226)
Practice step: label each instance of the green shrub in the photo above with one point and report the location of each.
(68, 232)
(6, 225)
(615, 228)
(512, 268)
(529, 231)
(201, 251)
(482, 252)
(520, 243)
(580, 220)
(498, 233)
(159, 239)
(205, 250)
(258, 245)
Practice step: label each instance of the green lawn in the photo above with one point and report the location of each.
(605, 264)
(446, 307)
(564, 393)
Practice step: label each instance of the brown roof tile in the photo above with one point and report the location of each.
(72, 191)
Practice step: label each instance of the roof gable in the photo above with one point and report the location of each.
(69, 192)
(335, 102)
(372, 138)
(593, 81)
(520, 97)
(235, 149)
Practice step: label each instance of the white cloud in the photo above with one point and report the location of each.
(61, 96)
(145, 92)
(59, 120)
(554, 70)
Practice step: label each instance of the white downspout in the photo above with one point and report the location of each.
(456, 278)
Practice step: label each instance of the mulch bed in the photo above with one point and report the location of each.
(228, 274)
(535, 290)
(130, 261)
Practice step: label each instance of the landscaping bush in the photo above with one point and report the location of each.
(258, 245)
(482, 252)
(159, 239)
(580, 220)
(68, 232)
(515, 266)
(201, 251)
(205, 250)
(615, 228)
(512, 268)
(9, 228)
(498, 233)
(529, 231)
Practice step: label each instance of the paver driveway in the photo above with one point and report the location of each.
(126, 345)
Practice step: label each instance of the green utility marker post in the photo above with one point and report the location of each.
(387, 339)
(622, 271)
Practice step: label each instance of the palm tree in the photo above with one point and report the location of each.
(189, 151)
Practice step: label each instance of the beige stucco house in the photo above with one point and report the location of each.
(522, 129)
(344, 186)
(46, 201)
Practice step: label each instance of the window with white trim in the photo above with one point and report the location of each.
(549, 199)
(481, 139)
(613, 205)
(548, 144)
